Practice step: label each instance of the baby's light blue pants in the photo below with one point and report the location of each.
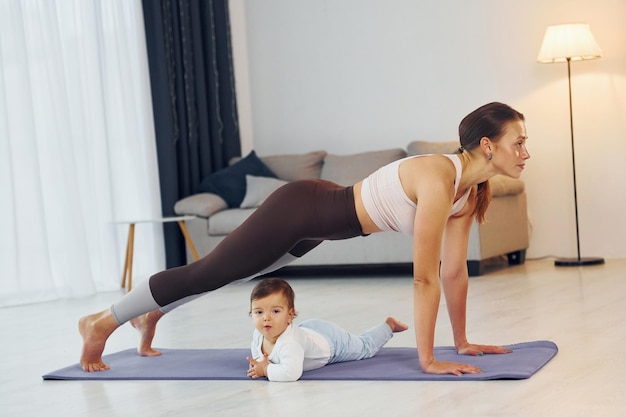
(345, 346)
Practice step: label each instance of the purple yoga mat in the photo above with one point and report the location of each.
(391, 364)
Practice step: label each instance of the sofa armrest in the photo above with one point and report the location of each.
(502, 185)
(202, 204)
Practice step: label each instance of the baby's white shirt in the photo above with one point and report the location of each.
(297, 350)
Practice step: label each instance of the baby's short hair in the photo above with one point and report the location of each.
(268, 286)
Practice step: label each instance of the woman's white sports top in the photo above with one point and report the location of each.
(388, 205)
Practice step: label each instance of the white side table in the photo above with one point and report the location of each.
(127, 276)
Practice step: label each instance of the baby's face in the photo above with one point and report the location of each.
(271, 315)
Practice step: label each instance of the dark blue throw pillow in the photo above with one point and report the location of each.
(230, 182)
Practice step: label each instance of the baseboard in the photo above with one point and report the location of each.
(474, 268)
(396, 269)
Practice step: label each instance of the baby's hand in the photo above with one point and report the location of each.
(258, 368)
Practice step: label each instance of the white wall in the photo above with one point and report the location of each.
(356, 75)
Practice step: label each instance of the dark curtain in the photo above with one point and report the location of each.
(193, 99)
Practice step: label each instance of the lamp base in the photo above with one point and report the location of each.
(578, 261)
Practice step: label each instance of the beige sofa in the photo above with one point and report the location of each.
(504, 233)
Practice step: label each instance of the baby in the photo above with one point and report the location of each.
(282, 351)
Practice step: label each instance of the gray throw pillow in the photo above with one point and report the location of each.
(306, 166)
(258, 189)
(426, 148)
(350, 169)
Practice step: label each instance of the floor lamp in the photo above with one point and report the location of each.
(566, 43)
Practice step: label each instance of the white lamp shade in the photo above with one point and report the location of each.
(571, 40)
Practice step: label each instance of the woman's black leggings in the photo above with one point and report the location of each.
(295, 219)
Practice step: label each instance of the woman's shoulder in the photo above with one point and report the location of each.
(431, 167)
(426, 174)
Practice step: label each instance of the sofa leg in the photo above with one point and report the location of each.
(517, 258)
(475, 268)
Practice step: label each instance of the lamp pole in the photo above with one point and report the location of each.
(577, 261)
(571, 129)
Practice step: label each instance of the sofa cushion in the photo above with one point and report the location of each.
(423, 148)
(224, 222)
(306, 166)
(203, 205)
(230, 182)
(350, 169)
(258, 189)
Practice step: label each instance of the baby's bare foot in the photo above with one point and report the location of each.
(95, 329)
(396, 325)
(146, 325)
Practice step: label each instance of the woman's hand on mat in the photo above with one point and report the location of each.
(479, 350)
(257, 369)
(436, 367)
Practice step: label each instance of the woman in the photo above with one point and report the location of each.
(435, 198)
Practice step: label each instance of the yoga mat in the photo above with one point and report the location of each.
(390, 364)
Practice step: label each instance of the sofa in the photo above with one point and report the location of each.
(226, 198)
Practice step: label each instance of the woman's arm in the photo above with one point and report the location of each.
(454, 278)
(430, 215)
(434, 203)
(432, 180)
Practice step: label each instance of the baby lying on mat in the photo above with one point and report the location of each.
(282, 351)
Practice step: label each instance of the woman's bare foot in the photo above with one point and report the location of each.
(95, 329)
(146, 325)
(396, 325)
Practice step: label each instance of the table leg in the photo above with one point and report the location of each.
(127, 276)
(188, 240)
(126, 260)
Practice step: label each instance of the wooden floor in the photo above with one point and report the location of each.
(581, 309)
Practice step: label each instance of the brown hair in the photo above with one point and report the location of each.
(269, 286)
(486, 121)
